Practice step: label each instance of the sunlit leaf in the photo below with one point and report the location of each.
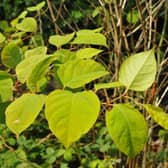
(28, 24)
(127, 128)
(21, 113)
(25, 67)
(41, 50)
(90, 37)
(158, 115)
(39, 71)
(107, 85)
(77, 73)
(138, 71)
(70, 115)
(87, 52)
(59, 40)
(37, 7)
(6, 86)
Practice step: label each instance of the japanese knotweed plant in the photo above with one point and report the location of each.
(71, 110)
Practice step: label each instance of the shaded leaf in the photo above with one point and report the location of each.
(11, 55)
(2, 38)
(79, 72)
(67, 114)
(127, 128)
(64, 55)
(21, 113)
(158, 115)
(3, 107)
(138, 71)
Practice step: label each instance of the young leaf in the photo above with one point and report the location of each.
(127, 128)
(87, 52)
(107, 85)
(6, 85)
(158, 115)
(59, 40)
(70, 115)
(39, 71)
(21, 113)
(90, 37)
(138, 71)
(25, 67)
(78, 72)
(28, 24)
(11, 55)
(37, 7)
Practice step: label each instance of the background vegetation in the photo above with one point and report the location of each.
(130, 26)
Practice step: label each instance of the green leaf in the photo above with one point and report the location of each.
(3, 107)
(38, 7)
(64, 55)
(21, 113)
(6, 86)
(25, 67)
(87, 52)
(133, 17)
(127, 128)
(28, 24)
(41, 50)
(70, 115)
(2, 38)
(59, 40)
(78, 72)
(158, 115)
(107, 85)
(138, 71)
(11, 55)
(39, 71)
(90, 37)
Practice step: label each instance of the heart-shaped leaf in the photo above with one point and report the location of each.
(70, 115)
(127, 128)
(59, 40)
